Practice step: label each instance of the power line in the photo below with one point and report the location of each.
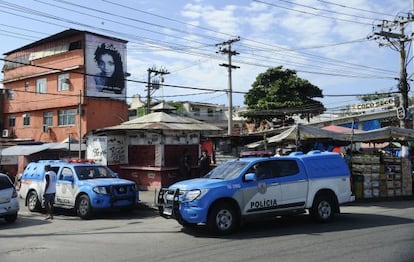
(310, 13)
(355, 8)
(260, 63)
(326, 10)
(207, 55)
(129, 80)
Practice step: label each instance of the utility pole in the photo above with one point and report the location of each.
(150, 86)
(80, 125)
(227, 50)
(392, 33)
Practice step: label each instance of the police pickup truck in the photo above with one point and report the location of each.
(257, 187)
(80, 184)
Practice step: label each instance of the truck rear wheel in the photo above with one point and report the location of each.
(222, 219)
(83, 207)
(323, 208)
(33, 203)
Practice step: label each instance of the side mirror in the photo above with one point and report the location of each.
(116, 175)
(250, 177)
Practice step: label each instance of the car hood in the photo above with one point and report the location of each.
(198, 183)
(106, 182)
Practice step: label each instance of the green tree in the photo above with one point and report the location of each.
(279, 93)
(375, 96)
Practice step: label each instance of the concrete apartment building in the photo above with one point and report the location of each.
(60, 87)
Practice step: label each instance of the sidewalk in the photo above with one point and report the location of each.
(148, 198)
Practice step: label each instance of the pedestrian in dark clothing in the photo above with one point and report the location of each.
(185, 166)
(204, 163)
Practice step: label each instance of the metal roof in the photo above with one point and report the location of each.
(163, 121)
(25, 150)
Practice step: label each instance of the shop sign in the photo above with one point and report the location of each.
(374, 105)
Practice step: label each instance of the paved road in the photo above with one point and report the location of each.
(380, 231)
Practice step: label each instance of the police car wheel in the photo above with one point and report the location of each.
(83, 207)
(322, 209)
(33, 203)
(222, 219)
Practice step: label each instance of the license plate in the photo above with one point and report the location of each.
(4, 200)
(167, 211)
(169, 197)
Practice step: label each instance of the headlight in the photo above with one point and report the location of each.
(100, 190)
(194, 194)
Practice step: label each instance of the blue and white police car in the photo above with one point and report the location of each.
(81, 184)
(257, 187)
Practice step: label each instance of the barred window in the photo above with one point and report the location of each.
(48, 119)
(26, 119)
(41, 86)
(67, 117)
(63, 82)
(12, 120)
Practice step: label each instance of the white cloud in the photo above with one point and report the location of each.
(222, 20)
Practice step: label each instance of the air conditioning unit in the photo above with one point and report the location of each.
(5, 133)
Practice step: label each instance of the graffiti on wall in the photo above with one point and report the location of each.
(107, 150)
(117, 150)
(96, 149)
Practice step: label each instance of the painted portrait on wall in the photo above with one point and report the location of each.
(105, 67)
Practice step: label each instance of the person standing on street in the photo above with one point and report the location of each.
(204, 163)
(185, 166)
(50, 191)
(279, 152)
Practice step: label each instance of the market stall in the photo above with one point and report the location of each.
(376, 173)
(384, 172)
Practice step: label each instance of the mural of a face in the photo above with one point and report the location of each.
(107, 65)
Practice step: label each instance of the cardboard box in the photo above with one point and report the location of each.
(390, 184)
(367, 193)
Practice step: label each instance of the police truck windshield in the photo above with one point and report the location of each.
(227, 171)
(91, 172)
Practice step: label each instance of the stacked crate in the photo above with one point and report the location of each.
(406, 178)
(393, 175)
(369, 167)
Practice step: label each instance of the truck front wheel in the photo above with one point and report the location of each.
(222, 219)
(83, 207)
(33, 203)
(322, 209)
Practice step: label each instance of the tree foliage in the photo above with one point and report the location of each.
(279, 93)
(375, 96)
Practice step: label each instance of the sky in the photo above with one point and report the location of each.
(327, 42)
